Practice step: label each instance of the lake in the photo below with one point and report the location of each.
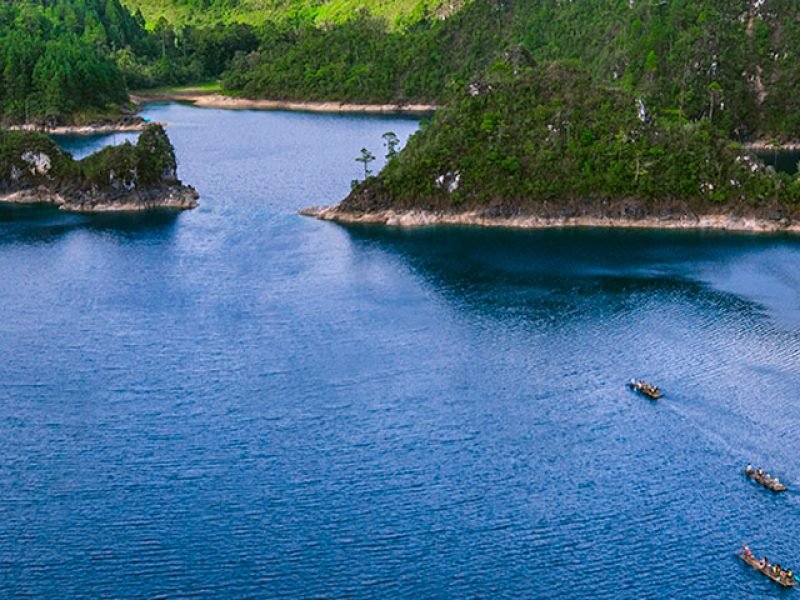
(240, 402)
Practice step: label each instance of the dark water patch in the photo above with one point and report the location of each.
(32, 224)
(784, 161)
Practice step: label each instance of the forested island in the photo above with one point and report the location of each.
(547, 145)
(622, 110)
(128, 177)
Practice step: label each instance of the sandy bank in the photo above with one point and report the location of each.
(214, 100)
(419, 218)
(88, 129)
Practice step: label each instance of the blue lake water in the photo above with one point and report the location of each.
(240, 402)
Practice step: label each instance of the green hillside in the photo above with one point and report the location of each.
(731, 61)
(734, 62)
(597, 101)
(397, 13)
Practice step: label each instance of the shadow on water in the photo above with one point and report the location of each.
(44, 224)
(567, 251)
(569, 270)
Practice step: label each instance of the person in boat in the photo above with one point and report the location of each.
(764, 563)
(747, 552)
(749, 468)
(789, 575)
(760, 472)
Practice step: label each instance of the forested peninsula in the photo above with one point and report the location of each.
(128, 177)
(547, 145)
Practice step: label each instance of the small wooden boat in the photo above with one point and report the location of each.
(781, 577)
(645, 388)
(771, 483)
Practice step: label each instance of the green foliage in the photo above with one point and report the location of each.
(16, 146)
(668, 53)
(357, 61)
(155, 156)
(61, 57)
(391, 141)
(552, 133)
(55, 57)
(112, 164)
(149, 162)
(319, 13)
(179, 55)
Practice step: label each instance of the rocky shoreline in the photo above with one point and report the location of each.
(123, 178)
(423, 218)
(215, 100)
(174, 197)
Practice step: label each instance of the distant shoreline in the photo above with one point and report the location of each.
(87, 129)
(423, 218)
(217, 100)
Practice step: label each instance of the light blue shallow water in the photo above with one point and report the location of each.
(241, 402)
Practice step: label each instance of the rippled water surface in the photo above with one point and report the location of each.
(240, 402)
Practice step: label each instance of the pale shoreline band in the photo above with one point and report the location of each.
(420, 218)
(206, 100)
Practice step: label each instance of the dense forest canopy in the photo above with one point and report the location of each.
(397, 13)
(733, 62)
(55, 56)
(527, 134)
(64, 58)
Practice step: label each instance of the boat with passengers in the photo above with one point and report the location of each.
(646, 389)
(778, 574)
(765, 479)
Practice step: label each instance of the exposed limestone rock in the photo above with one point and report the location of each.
(39, 162)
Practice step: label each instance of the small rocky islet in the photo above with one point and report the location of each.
(124, 178)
